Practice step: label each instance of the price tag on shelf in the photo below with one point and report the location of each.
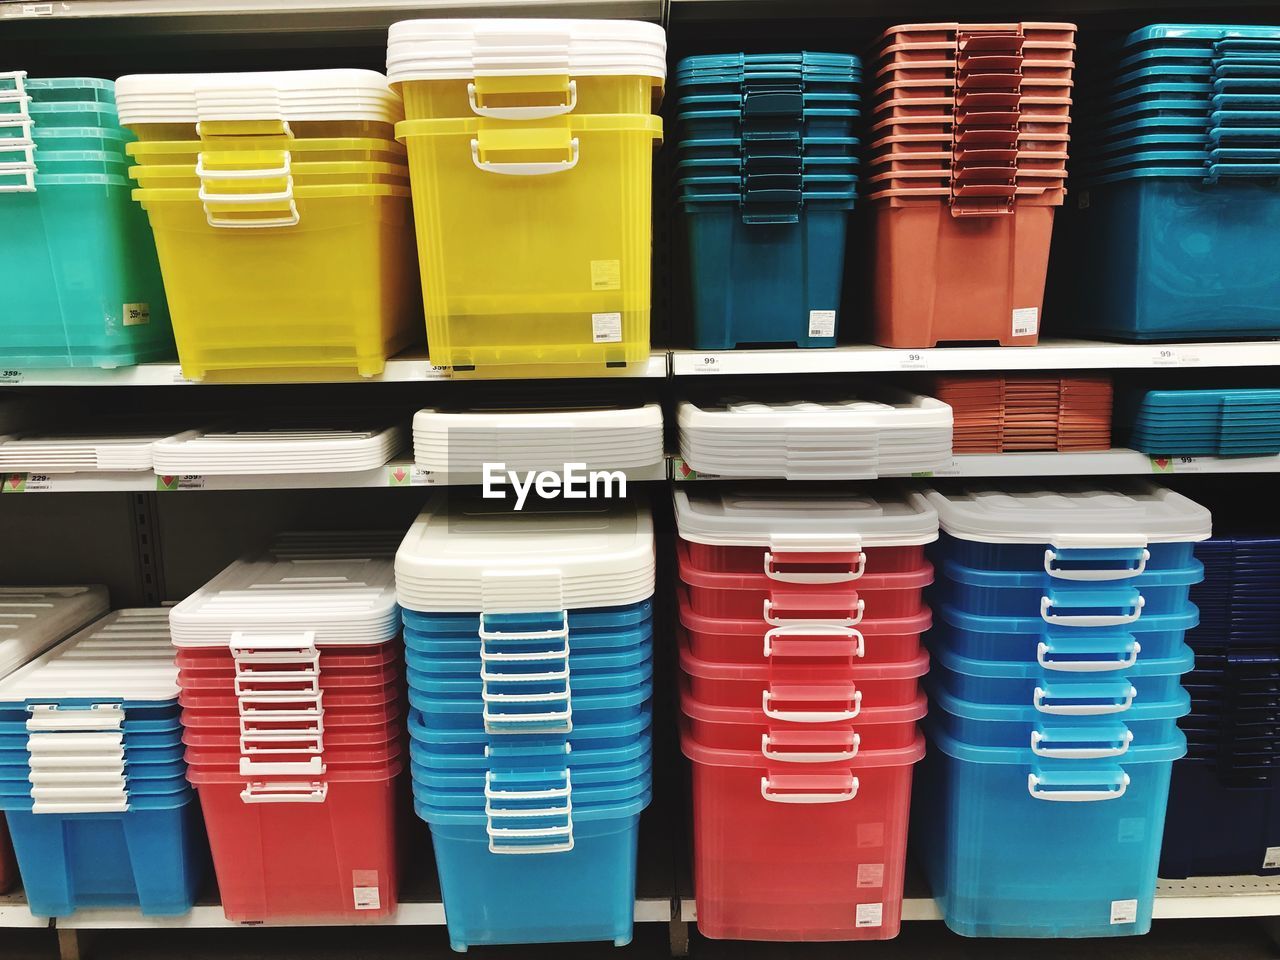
(184, 482)
(27, 483)
(1177, 464)
(407, 475)
(1174, 357)
(709, 363)
(913, 360)
(10, 378)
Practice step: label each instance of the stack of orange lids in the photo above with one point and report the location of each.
(1008, 414)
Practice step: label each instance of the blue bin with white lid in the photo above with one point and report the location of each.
(1018, 845)
(90, 825)
(529, 642)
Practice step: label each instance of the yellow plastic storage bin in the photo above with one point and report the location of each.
(529, 97)
(321, 279)
(329, 149)
(303, 174)
(534, 241)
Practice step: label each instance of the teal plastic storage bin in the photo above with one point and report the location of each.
(82, 279)
(1016, 845)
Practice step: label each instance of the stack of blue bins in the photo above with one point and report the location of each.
(92, 776)
(1177, 175)
(1224, 423)
(530, 731)
(77, 259)
(1058, 650)
(1224, 805)
(766, 175)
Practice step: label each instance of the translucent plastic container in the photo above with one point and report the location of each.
(1003, 860)
(563, 205)
(791, 851)
(324, 280)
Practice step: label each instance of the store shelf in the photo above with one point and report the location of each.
(410, 367)
(398, 473)
(14, 913)
(1103, 463)
(1049, 355)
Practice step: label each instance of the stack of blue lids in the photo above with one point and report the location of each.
(768, 131)
(1186, 100)
(1200, 422)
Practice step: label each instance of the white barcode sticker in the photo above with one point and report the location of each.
(136, 314)
(870, 875)
(1124, 911)
(1271, 859)
(869, 915)
(606, 328)
(822, 323)
(1026, 321)
(367, 898)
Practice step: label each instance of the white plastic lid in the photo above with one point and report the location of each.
(283, 95)
(465, 49)
(307, 589)
(32, 619)
(1074, 514)
(278, 450)
(817, 519)
(877, 407)
(127, 655)
(52, 452)
(466, 554)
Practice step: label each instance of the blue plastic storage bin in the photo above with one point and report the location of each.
(473, 743)
(604, 708)
(1007, 725)
(1217, 828)
(1124, 562)
(151, 858)
(1030, 639)
(1002, 860)
(585, 893)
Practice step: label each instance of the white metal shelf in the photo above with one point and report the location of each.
(1102, 463)
(410, 367)
(397, 473)
(1048, 355)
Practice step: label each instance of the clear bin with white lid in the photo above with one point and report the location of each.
(526, 69)
(461, 441)
(464, 554)
(1078, 531)
(72, 452)
(341, 446)
(32, 619)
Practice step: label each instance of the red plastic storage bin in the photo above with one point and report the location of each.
(332, 859)
(212, 704)
(367, 757)
(747, 728)
(810, 692)
(8, 865)
(775, 595)
(724, 559)
(331, 658)
(799, 851)
(725, 640)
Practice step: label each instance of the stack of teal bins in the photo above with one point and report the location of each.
(766, 175)
(78, 263)
(1178, 186)
(1224, 422)
(1055, 689)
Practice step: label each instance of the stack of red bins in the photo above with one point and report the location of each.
(801, 614)
(993, 414)
(292, 689)
(968, 152)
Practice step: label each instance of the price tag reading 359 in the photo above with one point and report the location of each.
(10, 377)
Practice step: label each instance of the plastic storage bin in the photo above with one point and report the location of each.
(8, 865)
(1213, 422)
(1003, 860)
(1218, 826)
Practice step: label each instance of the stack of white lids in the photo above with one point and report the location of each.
(1072, 514)
(76, 451)
(127, 655)
(813, 519)
(460, 442)
(465, 554)
(311, 448)
(885, 432)
(33, 619)
(465, 49)
(297, 95)
(307, 593)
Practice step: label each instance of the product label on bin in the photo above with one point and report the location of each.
(1124, 911)
(606, 328)
(822, 323)
(136, 314)
(870, 875)
(365, 890)
(1026, 321)
(606, 274)
(869, 915)
(1271, 859)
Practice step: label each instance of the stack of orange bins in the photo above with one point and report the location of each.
(1015, 414)
(968, 152)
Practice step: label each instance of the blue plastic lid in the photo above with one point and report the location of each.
(1036, 626)
(1206, 32)
(1026, 670)
(1080, 773)
(421, 732)
(730, 101)
(999, 579)
(942, 699)
(717, 143)
(724, 61)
